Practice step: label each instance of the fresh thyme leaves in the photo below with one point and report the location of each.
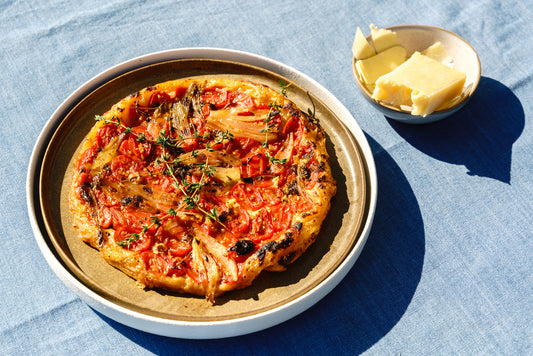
(165, 140)
(190, 190)
(212, 214)
(155, 220)
(206, 169)
(172, 212)
(209, 148)
(284, 87)
(275, 160)
(141, 137)
(191, 202)
(102, 118)
(226, 135)
(267, 129)
(269, 125)
(128, 241)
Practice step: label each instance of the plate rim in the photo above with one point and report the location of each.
(202, 329)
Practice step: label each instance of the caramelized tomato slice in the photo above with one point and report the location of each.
(106, 218)
(178, 248)
(281, 217)
(238, 221)
(248, 196)
(111, 216)
(271, 195)
(123, 165)
(159, 98)
(261, 226)
(238, 98)
(292, 125)
(217, 97)
(242, 146)
(255, 165)
(105, 134)
(138, 218)
(133, 148)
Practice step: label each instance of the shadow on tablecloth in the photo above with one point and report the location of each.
(480, 136)
(361, 310)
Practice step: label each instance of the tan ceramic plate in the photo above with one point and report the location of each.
(273, 297)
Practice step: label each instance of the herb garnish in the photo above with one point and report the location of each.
(269, 125)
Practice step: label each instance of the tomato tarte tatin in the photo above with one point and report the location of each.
(196, 186)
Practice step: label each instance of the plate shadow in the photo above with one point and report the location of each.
(480, 136)
(361, 310)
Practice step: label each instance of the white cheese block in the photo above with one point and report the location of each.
(420, 82)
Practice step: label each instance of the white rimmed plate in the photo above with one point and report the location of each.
(273, 298)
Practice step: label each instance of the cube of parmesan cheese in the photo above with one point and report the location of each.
(421, 83)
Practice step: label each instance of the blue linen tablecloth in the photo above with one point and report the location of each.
(447, 268)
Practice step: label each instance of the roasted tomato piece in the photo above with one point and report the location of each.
(159, 98)
(178, 248)
(280, 216)
(254, 165)
(292, 125)
(271, 195)
(238, 98)
(105, 134)
(216, 97)
(261, 226)
(238, 220)
(248, 196)
(111, 216)
(122, 166)
(138, 218)
(133, 148)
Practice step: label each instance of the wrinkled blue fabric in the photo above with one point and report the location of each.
(447, 268)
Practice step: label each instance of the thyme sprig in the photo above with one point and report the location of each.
(128, 241)
(269, 125)
(190, 190)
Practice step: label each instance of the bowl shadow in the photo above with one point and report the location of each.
(480, 136)
(361, 310)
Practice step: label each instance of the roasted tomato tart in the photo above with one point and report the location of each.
(196, 186)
